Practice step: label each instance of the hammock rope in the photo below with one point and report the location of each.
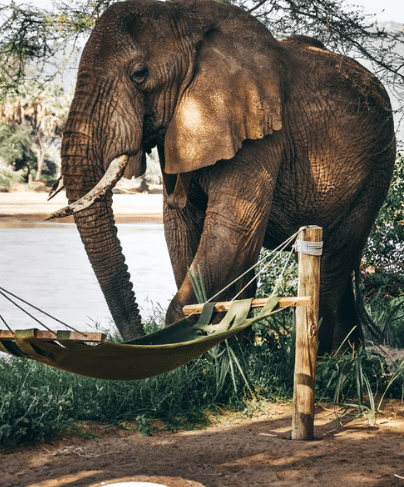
(151, 355)
(4, 321)
(3, 291)
(280, 248)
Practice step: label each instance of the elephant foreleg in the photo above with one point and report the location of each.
(337, 309)
(183, 229)
(230, 243)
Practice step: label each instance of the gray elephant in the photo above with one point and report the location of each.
(256, 138)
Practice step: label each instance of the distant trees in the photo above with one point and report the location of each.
(385, 247)
(346, 29)
(30, 36)
(32, 126)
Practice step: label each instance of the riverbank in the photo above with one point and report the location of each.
(32, 206)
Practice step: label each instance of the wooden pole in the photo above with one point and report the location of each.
(306, 335)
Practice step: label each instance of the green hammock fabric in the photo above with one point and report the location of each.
(148, 356)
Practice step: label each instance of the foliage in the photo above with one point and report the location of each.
(30, 408)
(383, 262)
(8, 177)
(31, 36)
(362, 375)
(16, 147)
(268, 278)
(385, 248)
(36, 118)
(388, 315)
(153, 171)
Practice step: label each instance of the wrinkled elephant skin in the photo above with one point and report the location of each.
(268, 136)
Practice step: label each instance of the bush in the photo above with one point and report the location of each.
(385, 248)
(29, 406)
(8, 177)
(268, 278)
(388, 316)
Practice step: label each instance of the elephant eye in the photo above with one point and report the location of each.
(139, 75)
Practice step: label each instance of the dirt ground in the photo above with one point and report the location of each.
(233, 451)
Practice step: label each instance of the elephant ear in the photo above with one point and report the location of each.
(235, 95)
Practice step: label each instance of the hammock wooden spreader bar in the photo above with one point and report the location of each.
(88, 354)
(288, 302)
(91, 337)
(73, 336)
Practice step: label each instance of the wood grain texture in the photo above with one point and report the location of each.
(306, 339)
(256, 303)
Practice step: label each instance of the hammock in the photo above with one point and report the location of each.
(88, 354)
(148, 356)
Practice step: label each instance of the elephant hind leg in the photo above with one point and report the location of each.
(337, 304)
(348, 321)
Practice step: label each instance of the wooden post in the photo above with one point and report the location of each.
(306, 335)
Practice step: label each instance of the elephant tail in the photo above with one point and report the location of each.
(365, 319)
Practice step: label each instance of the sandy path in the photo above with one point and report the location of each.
(34, 206)
(233, 452)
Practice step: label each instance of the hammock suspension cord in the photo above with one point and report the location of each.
(273, 253)
(4, 293)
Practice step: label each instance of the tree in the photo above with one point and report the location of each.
(16, 147)
(16, 153)
(385, 247)
(344, 29)
(32, 36)
(43, 112)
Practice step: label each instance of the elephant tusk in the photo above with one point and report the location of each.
(108, 181)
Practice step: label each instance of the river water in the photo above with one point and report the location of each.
(45, 264)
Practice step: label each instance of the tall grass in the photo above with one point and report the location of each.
(388, 315)
(37, 400)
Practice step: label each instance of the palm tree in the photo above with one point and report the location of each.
(44, 112)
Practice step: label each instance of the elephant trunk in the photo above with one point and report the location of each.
(99, 235)
(98, 232)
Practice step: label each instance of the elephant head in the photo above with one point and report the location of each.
(186, 76)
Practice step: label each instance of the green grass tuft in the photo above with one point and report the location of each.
(37, 400)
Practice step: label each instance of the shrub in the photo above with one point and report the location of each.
(8, 177)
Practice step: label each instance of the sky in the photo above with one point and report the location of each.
(385, 9)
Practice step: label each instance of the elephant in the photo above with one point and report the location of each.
(256, 137)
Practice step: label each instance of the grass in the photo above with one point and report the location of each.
(359, 380)
(388, 315)
(37, 400)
